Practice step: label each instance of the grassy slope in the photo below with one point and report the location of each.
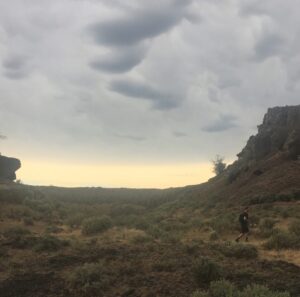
(154, 239)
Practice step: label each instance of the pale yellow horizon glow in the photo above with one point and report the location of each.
(116, 176)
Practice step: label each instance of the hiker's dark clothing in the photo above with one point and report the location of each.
(244, 222)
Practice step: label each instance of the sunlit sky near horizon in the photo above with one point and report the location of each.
(139, 93)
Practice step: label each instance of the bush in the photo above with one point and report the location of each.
(295, 227)
(267, 223)
(266, 228)
(96, 225)
(87, 277)
(14, 232)
(218, 165)
(200, 294)
(206, 270)
(240, 251)
(3, 252)
(28, 222)
(167, 265)
(223, 288)
(283, 240)
(261, 291)
(141, 239)
(53, 229)
(214, 236)
(75, 221)
(224, 223)
(49, 243)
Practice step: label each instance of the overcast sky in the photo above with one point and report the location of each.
(139, 82)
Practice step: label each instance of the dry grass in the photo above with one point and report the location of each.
(290, 256)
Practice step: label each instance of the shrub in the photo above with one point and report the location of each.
(28, 221)
(246, 251)
(96, 225)
(19, 237)
(200, 294)
(283, 240)
(53, 229)
(267, 223)
(223, 288)
(214, 236)
(49, 243)
(224, 223)
(140, 239)
(261, 291)
(75, 221)
(218, 165)
(3, 252)
(206, 270)
(266, 228)
(156, 232)
(14, 232)
(87, 277)
(167, 265)
(295, 227)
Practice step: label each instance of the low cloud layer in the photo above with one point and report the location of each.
(139, 90)
(143, 81)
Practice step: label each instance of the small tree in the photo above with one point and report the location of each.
(219, 165)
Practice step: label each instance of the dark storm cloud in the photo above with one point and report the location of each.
(141, 24)
(120, 61)
(15, 67)
(181, 64)
(135, 89)
(270, 44)
(225, 122)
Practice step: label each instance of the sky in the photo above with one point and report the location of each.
(139, 93)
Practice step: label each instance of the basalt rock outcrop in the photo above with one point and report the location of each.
(279, 132)
(279, 135)
(8, 168)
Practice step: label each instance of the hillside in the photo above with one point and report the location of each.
(158, 243)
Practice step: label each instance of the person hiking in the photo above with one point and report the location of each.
(243, 219)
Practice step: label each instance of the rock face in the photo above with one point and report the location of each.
(278, 134)
(8, 168)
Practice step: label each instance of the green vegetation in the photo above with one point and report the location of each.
(283, 240)
(96, 225)
(49, 243)
(218, 165)
(240, 250)
(206, 270)
(223, 288)
(88, 278)
(294, 227)
(100, 243)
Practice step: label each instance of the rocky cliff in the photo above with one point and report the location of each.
(279, 132)
(8, 168)
(278, 135)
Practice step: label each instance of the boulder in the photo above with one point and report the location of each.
(8, 168)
